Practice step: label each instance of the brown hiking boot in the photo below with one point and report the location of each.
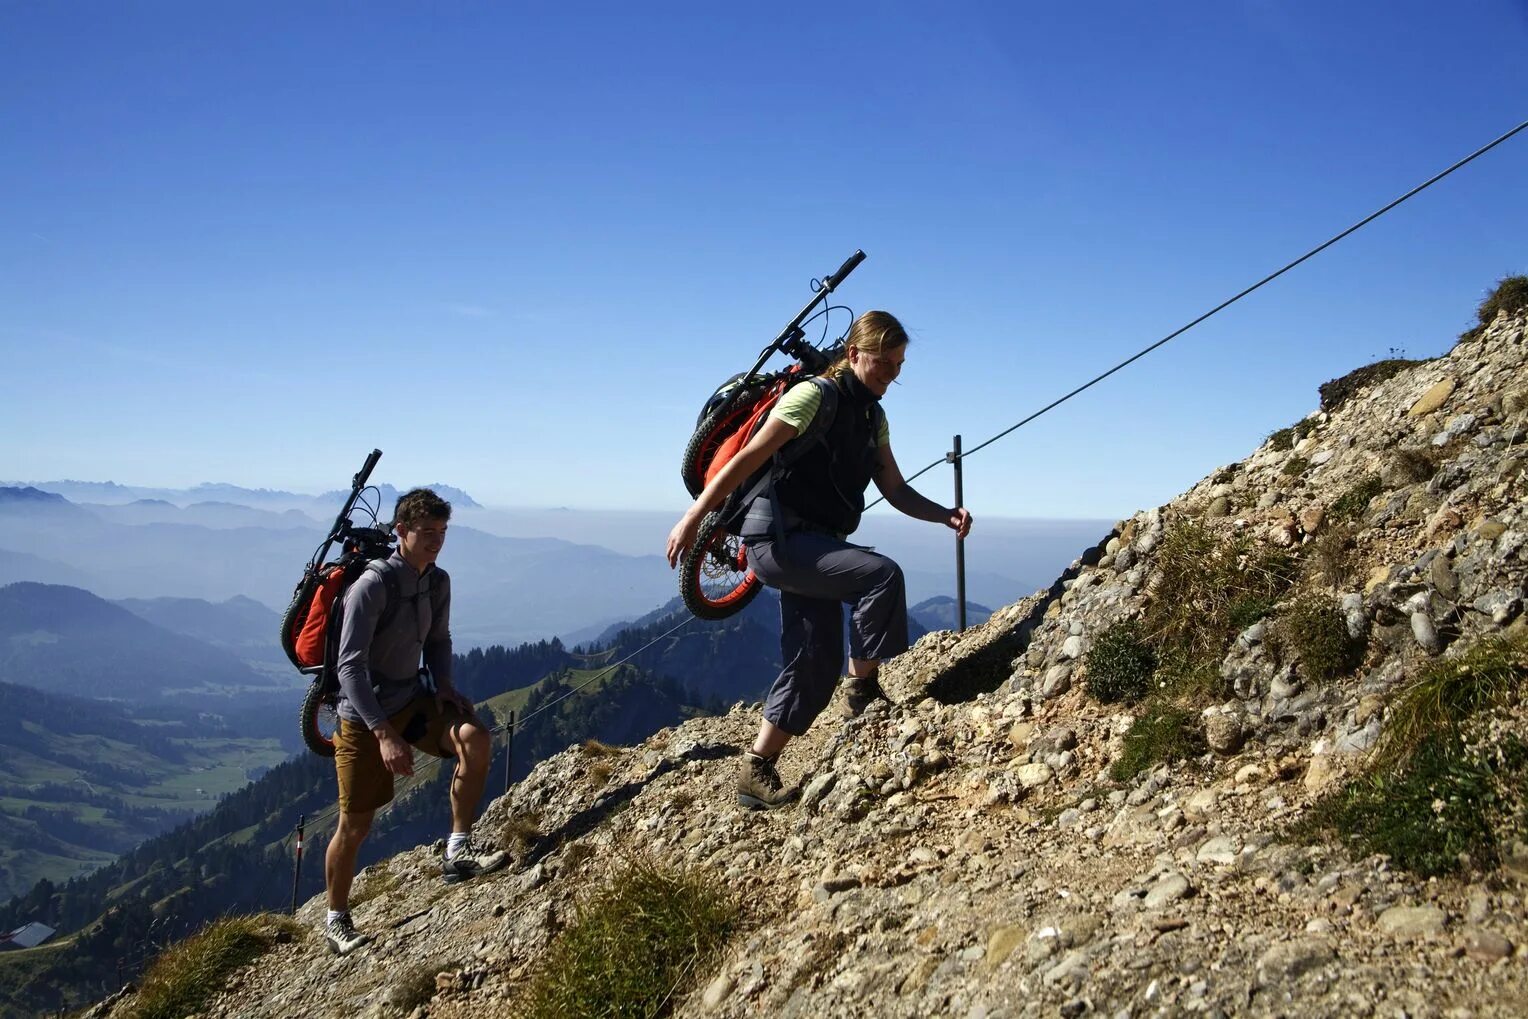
(859, 693)
(759, 786)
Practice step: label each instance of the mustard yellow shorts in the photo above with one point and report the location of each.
(364, 781)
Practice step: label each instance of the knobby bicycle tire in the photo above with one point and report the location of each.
(714, 579)
(317, 709)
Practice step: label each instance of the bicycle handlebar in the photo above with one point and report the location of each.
(831, 283)
(793, 329)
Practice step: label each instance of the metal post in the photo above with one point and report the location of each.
(509, 750)
(297, 863)
(960, 546)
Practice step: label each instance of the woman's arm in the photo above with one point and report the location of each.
(902, 496)
(760, 448)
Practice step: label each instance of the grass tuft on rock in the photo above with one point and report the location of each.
(1160, 736)
(1312, 631)
(1334, 554)
(1208, 590)
(1120, 664)
(1435, 814)
(634, 945)
(1443, 790)
(191, 972)
(1352, 503)
(1510, 295)
(376, 881)
(1337, 392)
(1449, 691)
(1286, 438)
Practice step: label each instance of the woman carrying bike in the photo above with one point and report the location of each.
(795, 536)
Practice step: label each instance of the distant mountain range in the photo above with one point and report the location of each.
(505, 590)
(110, 493)
(67, 640)
(943, 613)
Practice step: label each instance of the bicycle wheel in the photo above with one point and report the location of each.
(728, 411)
(319, 722)
(714, 578)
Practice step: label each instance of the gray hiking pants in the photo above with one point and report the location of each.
(816, 575)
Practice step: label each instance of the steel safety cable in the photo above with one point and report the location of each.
(948, 458)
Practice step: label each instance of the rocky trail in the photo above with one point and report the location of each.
(966, 849)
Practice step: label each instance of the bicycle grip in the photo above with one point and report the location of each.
(844, 270)
(366, 469)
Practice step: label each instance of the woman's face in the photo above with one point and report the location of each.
(877, 371)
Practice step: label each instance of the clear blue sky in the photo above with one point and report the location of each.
(514, 245)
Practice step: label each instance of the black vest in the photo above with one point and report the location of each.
(825, 488)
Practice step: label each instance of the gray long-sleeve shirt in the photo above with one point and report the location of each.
(389, 657)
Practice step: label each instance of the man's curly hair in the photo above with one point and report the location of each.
(418, 505)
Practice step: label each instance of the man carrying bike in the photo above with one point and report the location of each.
(388, 704)
(795, 537)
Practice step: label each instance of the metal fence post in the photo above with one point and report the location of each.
(297, 863)
(960, 546)
(509, 750)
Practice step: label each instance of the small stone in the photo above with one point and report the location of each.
(817, 788)
(1220, 506)
(1320, 773)
(1292, 959)
(1001, 943)
(1434, 398)
(1223, 733)
(1377, 576)
(1020, 734)
(1425, 632)
(1033, 776)
(1487, 946)
(716, 992)
(1221, 849)
(1071, 648)
(1312, 517)
(1058, 678)
(1170, 888)
(1408, 922)
(1443, 579)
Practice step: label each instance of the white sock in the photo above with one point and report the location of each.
(456, 843)
(335, 914)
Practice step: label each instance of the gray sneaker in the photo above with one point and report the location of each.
(342, 937)
(759, 786)
(859, 693)
(472, 860)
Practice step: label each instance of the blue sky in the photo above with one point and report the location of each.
(515, 245)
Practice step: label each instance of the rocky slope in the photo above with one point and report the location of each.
(964, 850)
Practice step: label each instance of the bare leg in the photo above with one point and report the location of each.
(339, 860)
(862, 668)
(771, 741)
(470, 743)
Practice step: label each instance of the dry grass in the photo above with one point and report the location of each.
(375, 882)
(594, 748)
(521, 831)
(636, 943)
(189, 973)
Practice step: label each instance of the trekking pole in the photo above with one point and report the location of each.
(297, 863)
(960, 545)
(509, 750)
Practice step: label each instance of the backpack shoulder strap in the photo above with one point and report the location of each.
(392, 591)
(816, 430)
